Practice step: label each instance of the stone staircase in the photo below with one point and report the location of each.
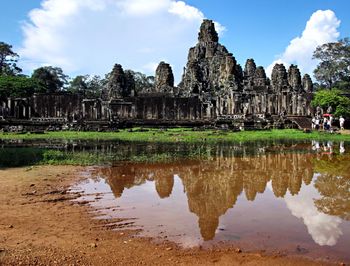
(302, 122)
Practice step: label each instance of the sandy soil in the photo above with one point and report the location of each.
(40, 225)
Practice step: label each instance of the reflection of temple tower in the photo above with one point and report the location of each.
(211, 192)
(129, 175)
(308, 175)
(280, 185)
(208, 226)
(290, 170)
(164, 185)
(120, 178)
(254, 184)
(295, 184)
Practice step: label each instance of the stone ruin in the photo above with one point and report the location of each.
(214, 91)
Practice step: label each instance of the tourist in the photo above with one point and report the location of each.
(329, 123)
(341, 122)
(317, 123)
(313, 121)
(325, 123)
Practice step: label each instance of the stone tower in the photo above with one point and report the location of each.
(279, 79)
(120, 84)
(211, 69)
(294, 78)
(164, 79)
(307, 83)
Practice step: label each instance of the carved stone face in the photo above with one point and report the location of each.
(250, 67)
(307, 83)
(294, 78)
(279, 77)
(164, 77)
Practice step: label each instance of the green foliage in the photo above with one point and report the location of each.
(53, 155)
(51, 78)
(142, 82)
(18, 86)
(78, 84)
(8, 60)
(89, 86)
(95, 86)
(334, 63)
(325, 98)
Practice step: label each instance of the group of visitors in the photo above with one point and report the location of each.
(325, 123)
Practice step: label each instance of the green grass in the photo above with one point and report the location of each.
(181, 135)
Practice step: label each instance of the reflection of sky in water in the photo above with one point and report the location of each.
(324, 229)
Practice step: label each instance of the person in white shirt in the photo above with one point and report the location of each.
(317, 123)
(341, 122)
(313, 125)
(329, 123)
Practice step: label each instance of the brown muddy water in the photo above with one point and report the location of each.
(292, 198)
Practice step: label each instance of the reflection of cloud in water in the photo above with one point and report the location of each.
(323, 228)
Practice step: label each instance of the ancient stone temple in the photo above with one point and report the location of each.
(214, 90)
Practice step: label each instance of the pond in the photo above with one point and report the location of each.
(291, 197)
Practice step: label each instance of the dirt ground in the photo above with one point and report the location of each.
(40, 225)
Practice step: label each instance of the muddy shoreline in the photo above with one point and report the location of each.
(41, 225)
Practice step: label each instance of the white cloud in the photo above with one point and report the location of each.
(88, 37)
(320, 28)
(142, 7)
(185, 11)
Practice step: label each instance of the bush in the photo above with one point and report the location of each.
(334, 98)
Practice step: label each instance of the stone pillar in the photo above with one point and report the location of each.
(84, 109)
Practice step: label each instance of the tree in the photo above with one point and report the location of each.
(96, 85)
(8, 60)
(51, 78)
(334, 66)
(78, 84)
(89, 86)
(18, 86)
(142, 82)
(325, 98)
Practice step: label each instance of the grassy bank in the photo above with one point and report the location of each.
(181, 135)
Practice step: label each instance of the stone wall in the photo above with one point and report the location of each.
(60, 105)
(19, 108)
(157, 107)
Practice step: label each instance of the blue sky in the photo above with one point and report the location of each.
(89, 38)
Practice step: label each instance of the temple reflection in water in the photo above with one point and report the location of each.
(213, 185)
